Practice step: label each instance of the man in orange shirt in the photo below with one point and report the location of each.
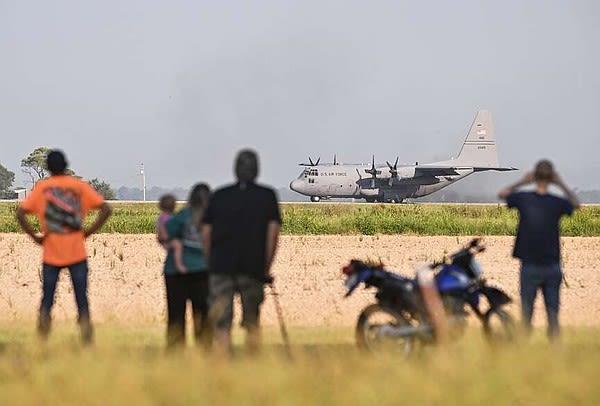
(61, 202)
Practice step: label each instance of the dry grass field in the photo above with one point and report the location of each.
(126, 284)
(128, 364)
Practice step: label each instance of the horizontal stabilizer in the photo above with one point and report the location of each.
(501, 169)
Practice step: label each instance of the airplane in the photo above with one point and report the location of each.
(393, 183)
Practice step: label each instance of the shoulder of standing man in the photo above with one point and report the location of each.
(516, 199)
(90, 196)
(272, 202)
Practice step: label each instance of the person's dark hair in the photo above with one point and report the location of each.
(167, 203)
(56, 162)
(198, 200)
(544, 171)
(246, 166)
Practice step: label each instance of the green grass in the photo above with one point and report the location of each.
(129, 366)
(323, 218)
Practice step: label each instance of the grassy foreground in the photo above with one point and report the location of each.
(323, 218)
(129, 366)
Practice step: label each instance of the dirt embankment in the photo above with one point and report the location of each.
(126, 283)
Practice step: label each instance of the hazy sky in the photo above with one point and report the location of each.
(182, 85)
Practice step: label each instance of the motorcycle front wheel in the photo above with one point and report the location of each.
(375, 332)
(498, 326)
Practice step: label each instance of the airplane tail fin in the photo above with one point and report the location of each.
(479, 149)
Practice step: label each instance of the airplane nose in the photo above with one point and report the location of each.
(293, 185)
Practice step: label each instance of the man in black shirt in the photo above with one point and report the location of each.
(240, 233)
(537, 244)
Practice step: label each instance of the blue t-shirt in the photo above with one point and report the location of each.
(538, 234)
(181, 227)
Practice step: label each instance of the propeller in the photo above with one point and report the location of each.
(393, 171)
(373, 172)
(335, 159)
(311, 163)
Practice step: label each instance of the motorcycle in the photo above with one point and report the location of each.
(399, 319)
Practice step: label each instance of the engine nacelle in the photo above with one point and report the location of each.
(370, 192)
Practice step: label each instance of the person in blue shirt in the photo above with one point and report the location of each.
(187, 281)
(537, 243)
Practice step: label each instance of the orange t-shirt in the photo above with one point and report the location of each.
(61, 202)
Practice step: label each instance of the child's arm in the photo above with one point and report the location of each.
(177, 246)
(161, 235)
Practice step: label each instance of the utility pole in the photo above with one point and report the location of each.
(143, 173)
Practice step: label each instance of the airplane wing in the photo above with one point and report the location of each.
(435, 171)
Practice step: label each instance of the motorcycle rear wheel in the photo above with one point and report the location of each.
(498, 326)
(370, 332)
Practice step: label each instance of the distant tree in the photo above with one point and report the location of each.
(34, 165)
(588, 196)
(129, 193)
(103, 188)
(126, 193)
(6, 180)
(156, 192)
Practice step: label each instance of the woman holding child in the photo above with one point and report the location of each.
(186, 270)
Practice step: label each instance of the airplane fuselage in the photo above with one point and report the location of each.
(352, 181)
(393, 183)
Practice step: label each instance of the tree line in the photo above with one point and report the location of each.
(34, 166)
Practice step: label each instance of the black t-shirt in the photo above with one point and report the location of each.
(538, 233)
(239, 216)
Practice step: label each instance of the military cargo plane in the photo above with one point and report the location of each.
(393, 183)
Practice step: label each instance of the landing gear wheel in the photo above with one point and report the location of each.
(371, 332)
(498, 326)
(315, 199)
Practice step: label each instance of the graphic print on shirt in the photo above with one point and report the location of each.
(63, 210)
(191, 235)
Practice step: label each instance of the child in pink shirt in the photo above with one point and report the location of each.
(166, 204)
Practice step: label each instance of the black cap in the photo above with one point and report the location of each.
(56, 161)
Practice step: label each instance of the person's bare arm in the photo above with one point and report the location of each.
(556, 179)
(206, 236)
(271, 245)
(37, 237)
(527, 179)
(105, 212)
(161, 234)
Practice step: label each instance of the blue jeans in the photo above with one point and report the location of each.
(79, 277)
(548, 278)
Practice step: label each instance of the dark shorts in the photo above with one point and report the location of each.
(222, 289)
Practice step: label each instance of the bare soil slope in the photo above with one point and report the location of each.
(126, 284)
